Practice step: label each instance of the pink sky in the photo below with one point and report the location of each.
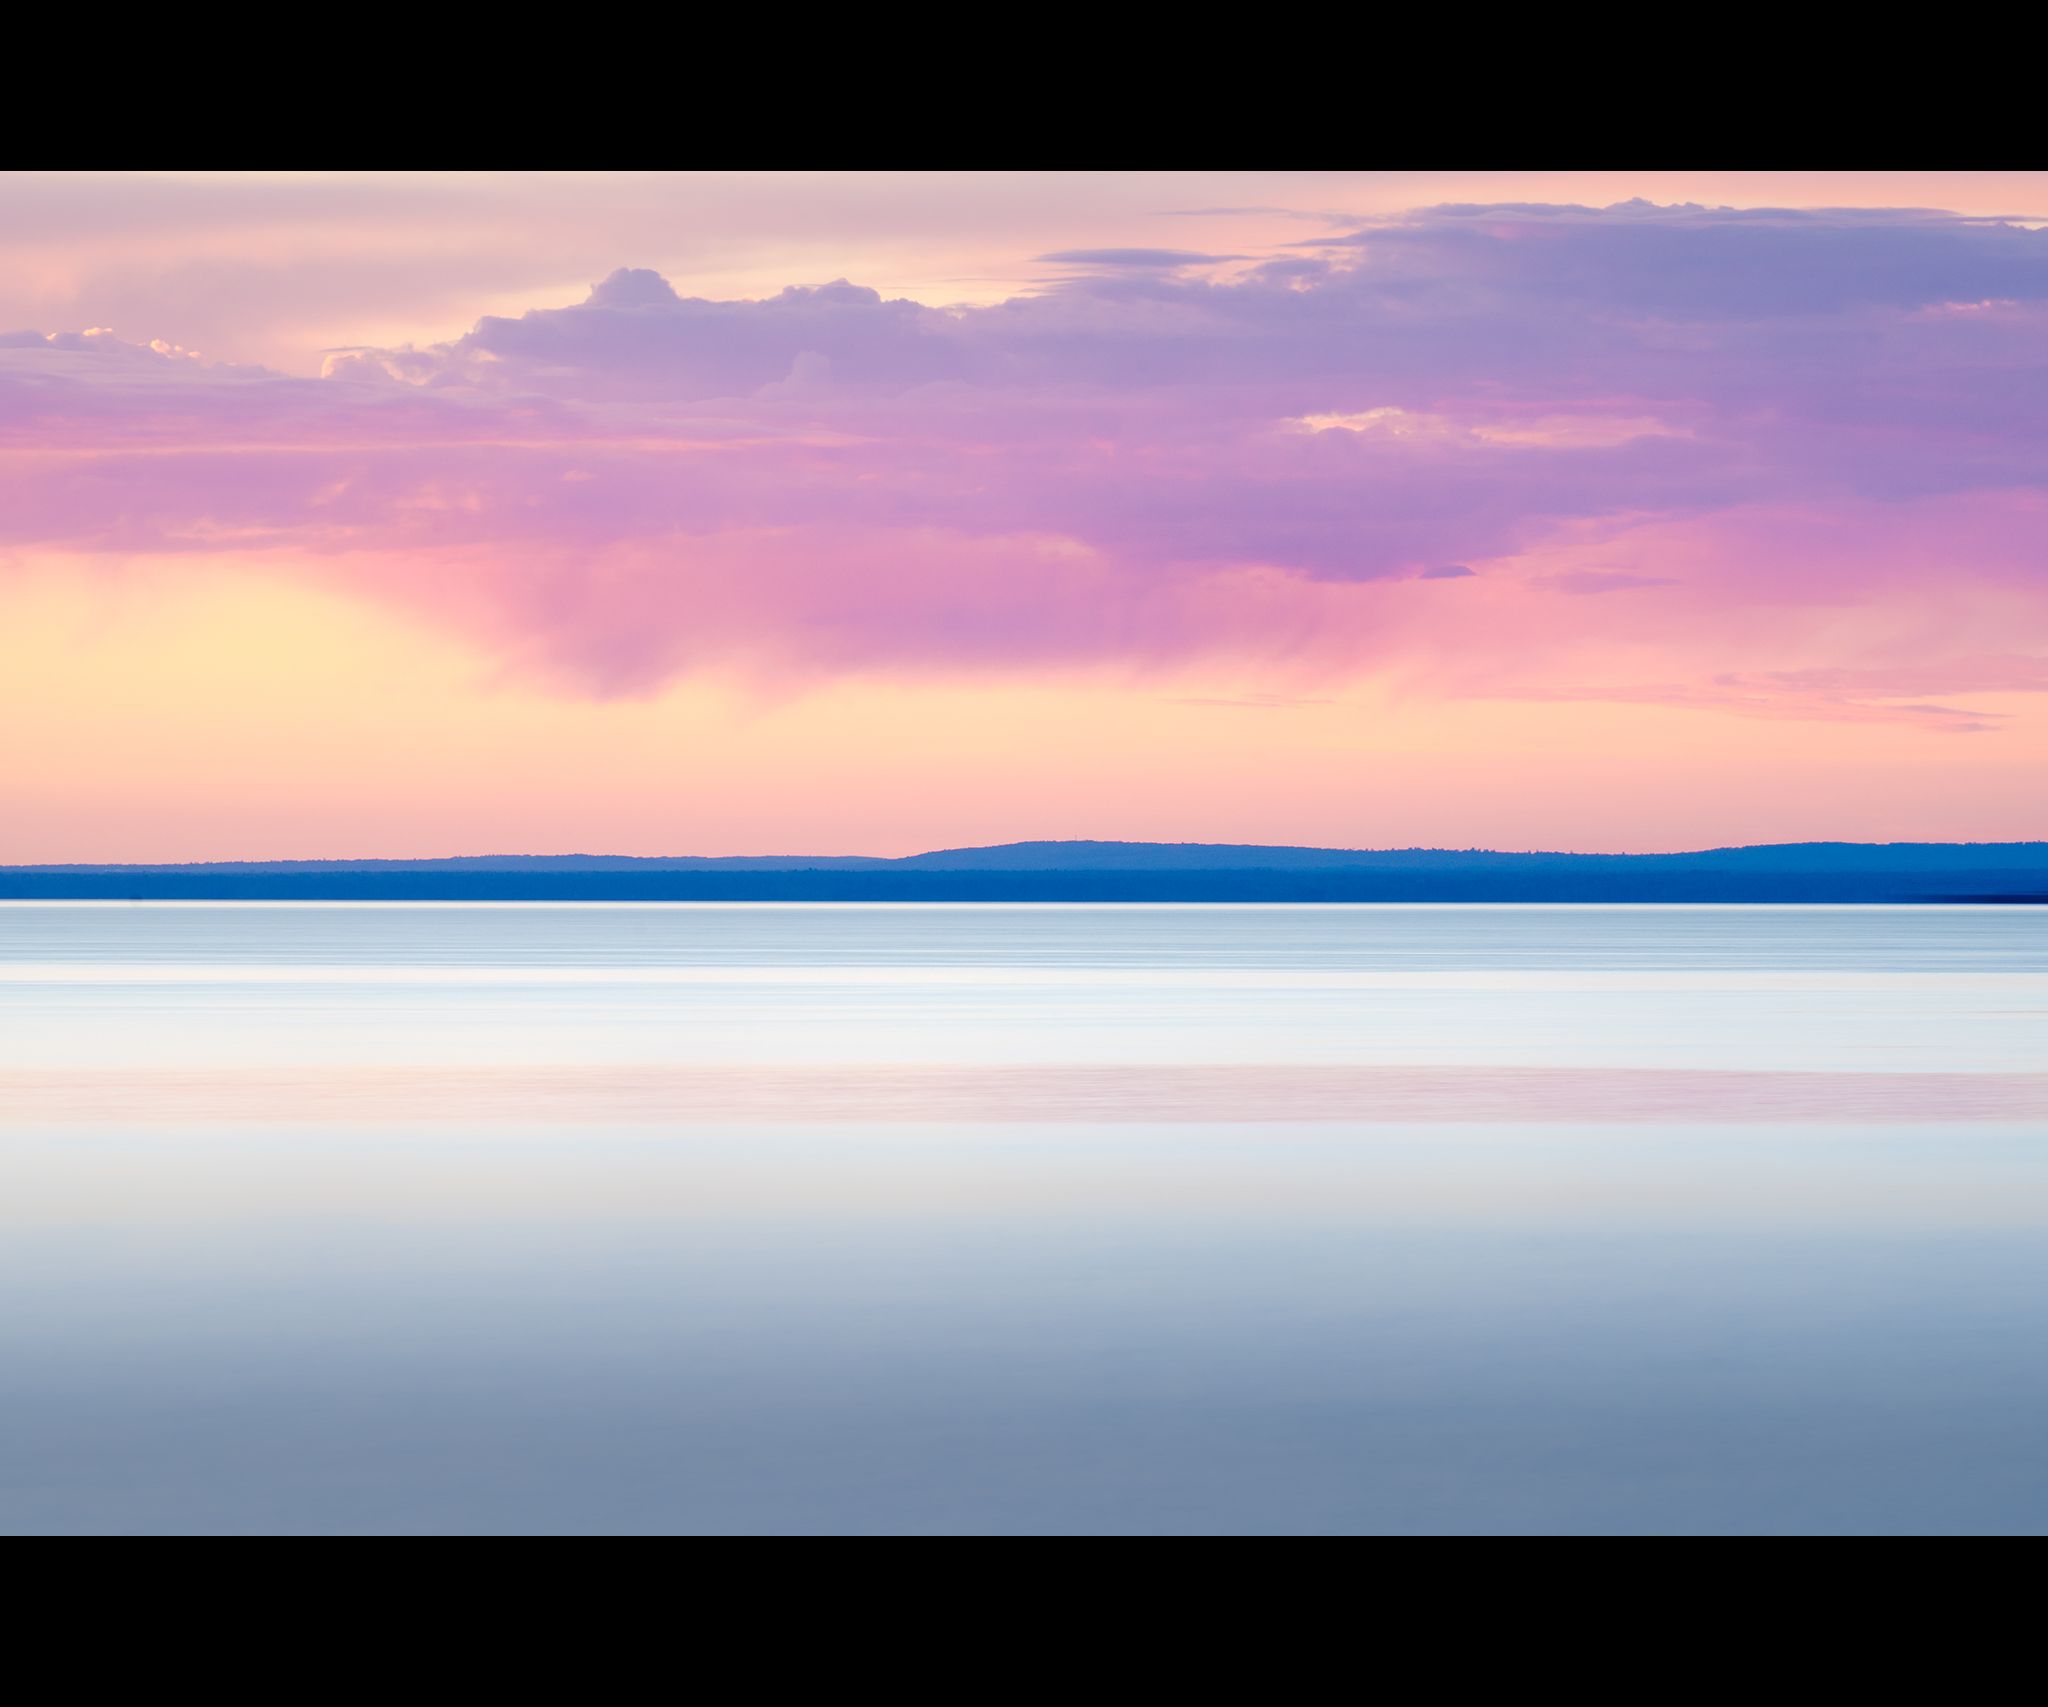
(653, 514)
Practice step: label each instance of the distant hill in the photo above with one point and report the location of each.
(1232, 856)
(1105, 871)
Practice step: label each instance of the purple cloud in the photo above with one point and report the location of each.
(1065, 474)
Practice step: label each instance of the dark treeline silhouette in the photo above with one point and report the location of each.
(1105, 871)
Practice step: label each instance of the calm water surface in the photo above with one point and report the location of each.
(876, 1219)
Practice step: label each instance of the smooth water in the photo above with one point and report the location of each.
(1155, 1219)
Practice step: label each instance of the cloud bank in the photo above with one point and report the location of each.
(1779, 463)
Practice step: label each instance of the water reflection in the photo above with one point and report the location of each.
(1154, 1219)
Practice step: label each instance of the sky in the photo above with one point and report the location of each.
(411, 515)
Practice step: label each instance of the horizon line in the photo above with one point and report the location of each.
(1076, 843)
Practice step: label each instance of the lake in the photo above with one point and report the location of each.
(874, 1219)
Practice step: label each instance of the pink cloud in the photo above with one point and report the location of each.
(1732, 413)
